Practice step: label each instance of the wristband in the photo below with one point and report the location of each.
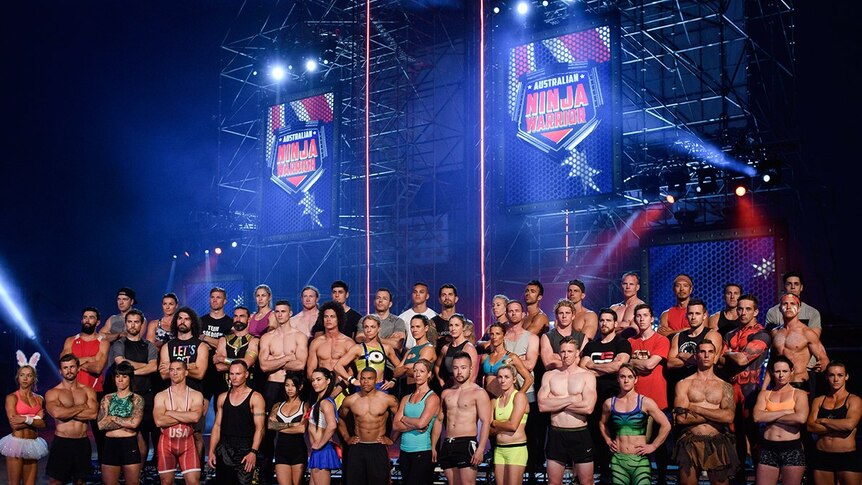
(28, 420)
(253, 451)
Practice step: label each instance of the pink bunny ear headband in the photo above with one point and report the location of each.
(22, 359)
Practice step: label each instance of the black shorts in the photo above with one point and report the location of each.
(121, 451)
(69, 459)
(457, 452)
(828, 461)
(416, 467)
(782, 453)
(290, 449)
(367, 463)
(569, 446)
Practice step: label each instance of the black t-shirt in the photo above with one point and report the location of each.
(602, 353)
(351, 321)
(216, 328)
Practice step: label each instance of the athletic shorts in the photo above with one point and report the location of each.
(511, 454)
(782, 453)
(457, 452)
(829, 461)
(416, 467)
(290, 449)
(69, 459)
(178, 451)
(121, 451)
(367, 463)
(569, 446)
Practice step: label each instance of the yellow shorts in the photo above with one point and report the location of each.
(510, 454)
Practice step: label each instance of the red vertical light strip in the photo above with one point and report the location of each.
(567, 236)
(367, 157)
(482, 155)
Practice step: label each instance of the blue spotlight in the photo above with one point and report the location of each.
(711, 155)
(206, 251)
(522, 8)
(496, 9)
(13, 306)
(311, 65)
(233, 244)
(277, 73)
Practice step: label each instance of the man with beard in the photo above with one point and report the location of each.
(604, 357)
(465, 404)
(682, 356)
(352, 317)
(368, 461)
(393, 331)
(725, 320)
(176, 411)
(143, 357)
(419, 299)
(630, 285)
(92, 350)
(304, 320)
(536, 322)
(238, 345)
(115, 325)
(584, 320)
(675, 319)
(190, 349)
(71, 404)
(238, 430)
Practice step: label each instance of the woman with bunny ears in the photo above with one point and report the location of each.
(24, 409)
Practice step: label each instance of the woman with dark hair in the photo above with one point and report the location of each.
(458, 343)
(424, 349)
(834, 418)
(120, 414)
(289, 419)
(23, 448)
(323, 421)
(263, 319)
(415, 419)
(783, 410)
(499, 357)
(159, 331)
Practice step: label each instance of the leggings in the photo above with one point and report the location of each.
(630, 469)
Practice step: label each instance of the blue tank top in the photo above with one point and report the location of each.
(415, 440)
(491, 369)
(632, 423)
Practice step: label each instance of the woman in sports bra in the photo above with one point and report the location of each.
(624, 428)
(288, 418)
(834, 418)
(415, 421)
(510, 417)
(23, 448)
(159, 331)
(499, 357)
(372, 353)
(120, 414)
(783, 410)
(424, 349)
(458, 343)
(263, 319)
(322, 423)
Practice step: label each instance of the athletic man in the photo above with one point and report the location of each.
(585, 320)
(115, 325)
(340, 293)
(214, 325)
(393, 331)
(569, 394)
(448, 297)
(419, 299)
(368, 460)
(630, 285)
(326, 349)
(798, 343)
(725, 320)
(238, 430)
(536, 322)
(238, 345)
(564, 312)
(465, 404)
(682, 357)
(304, 320)
(674, 319)
(807, 313)
(71, 404)
(177, 410)
(704, 408)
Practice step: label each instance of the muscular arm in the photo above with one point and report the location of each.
(132, 422)
(591, 325)
(312, 362)
(300, 356)
(91, 407)
(268, 363)
(548, 403)
(658, 416)
(396, 340)
(164, 362)
(817, 350)
(16, 421)
(345, 360)
(645, 366)
(483, 410)
(103, 421)
(846, 425)
(220, 355)
(432, 408)
(343, 413)
(474, 358)
(329, 413)
(532, 355)
(675, 358)
(752, 351)
(588, 397)
(519, 407)
(141, 368)
(550, 359)
(160, 416)
(96, 364)
(198, 368)
(524, 372)
(215, 434)
(724, 414)
(682, 415)
(663, 327)
(398, 423)
(538, 324)
(258, 413)
(611, 367)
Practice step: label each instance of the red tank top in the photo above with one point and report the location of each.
(84, 348)
(677, 318)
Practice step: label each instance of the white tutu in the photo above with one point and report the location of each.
(23, 448)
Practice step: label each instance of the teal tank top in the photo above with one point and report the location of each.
(491, 369)
(415, 440)
(632, 423)
(413, 354)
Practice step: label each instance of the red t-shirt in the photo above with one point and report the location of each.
(677, 318)
(87, 348)
(653, 384)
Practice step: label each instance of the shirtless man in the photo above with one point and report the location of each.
(536, 322)
(465, 403)
(177, 410)
(675, 319)
(281, 350)
(704, 406)
(631, 284)
(71, 404)
(305, 319)
(585, 320)
(368, 460)
(798, 343)
(725, 320)
(371, 353)
(569, 394)
(326, 349)
(549, 348)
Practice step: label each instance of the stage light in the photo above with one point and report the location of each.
(290, 67)
(206, 251)
(277, 73)
(187, 254)
(740, 190)
(544, 3)
(766, 177)
(707, 181)
(12, 305)
(311, 65)
(523, 8)
(496, 9)
(254, 73)
(326, 62)
(218, 250)
(233, 244)
(670, 198)
(175, 256)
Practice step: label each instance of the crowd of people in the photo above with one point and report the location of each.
(322, 388)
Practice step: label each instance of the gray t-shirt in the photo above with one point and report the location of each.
(388, 326)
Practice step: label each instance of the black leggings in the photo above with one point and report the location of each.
(416, 467)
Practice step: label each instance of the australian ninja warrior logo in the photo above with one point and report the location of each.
(297, 157)
(558, 106)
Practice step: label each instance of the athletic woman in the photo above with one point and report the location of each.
(834, 418)
(289, 419)
(264, 319)
(415, 420)
(159, 331)
(424, 349)
(120, 414)
(510, 417)
(322, 421)
(458, 343)
(23, 448)
(499, 357)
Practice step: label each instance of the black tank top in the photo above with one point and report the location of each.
(237, 421)
(554, 338)
(186, 351)
(838, 413)
(725, 325)
(446, 370)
